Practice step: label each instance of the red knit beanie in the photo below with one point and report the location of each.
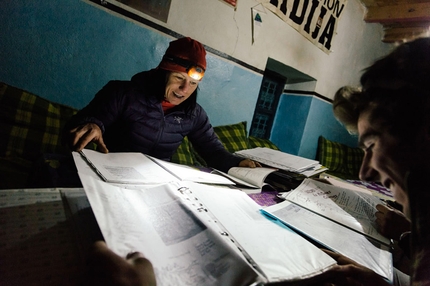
(186, 49)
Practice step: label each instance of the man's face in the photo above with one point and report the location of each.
(179, 87)
(386, 158)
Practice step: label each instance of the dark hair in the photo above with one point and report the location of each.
(395, 88)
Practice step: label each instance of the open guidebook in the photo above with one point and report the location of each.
(199, 234)
(137, 168)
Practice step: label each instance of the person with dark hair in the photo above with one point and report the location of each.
(391, 115)
(153, 112)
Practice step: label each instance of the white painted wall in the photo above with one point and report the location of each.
(228, 30)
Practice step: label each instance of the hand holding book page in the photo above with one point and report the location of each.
(188, 244)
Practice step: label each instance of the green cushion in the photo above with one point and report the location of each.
(199, 161)
(255, 142)
(354, 160)
(341, 159)
(30, 125)
(184, 154)
(331, 154)
(233, 136)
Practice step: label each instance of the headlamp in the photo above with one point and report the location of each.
(194, 71)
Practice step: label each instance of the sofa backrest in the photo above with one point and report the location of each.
(234, 137)
(30, 125)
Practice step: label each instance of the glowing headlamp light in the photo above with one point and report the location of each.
(194, 71)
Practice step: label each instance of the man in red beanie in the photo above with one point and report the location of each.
(153, 112)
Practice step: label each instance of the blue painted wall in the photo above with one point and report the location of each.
(301, 119)
(67, 50)
(290, 122)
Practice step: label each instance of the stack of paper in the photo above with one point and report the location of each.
(283, 161)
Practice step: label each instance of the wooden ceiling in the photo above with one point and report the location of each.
(402, 20)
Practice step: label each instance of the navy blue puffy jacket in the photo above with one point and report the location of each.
(132, 120)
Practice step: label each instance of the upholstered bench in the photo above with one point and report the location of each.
(30, 126)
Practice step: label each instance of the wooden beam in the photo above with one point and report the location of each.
(401, 34)
(407, 25)
(402, 12)
(369, 3)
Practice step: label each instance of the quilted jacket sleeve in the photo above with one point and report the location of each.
(207, 144)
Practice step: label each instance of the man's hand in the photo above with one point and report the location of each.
(81, 136)
(108, 269)
(348, 272)
(391, 222)
(249, 163)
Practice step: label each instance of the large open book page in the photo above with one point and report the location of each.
(197, 234)
(321, 211)
(127, 168)
(355, 210)
(335, 237)
(280, 254)
(157, 222)
(137, 168)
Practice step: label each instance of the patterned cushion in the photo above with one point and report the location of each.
(354, 159)
(260, 142)
(343, 160)
(331, 154)
(184, 154)
(233, 136)
(29, 124)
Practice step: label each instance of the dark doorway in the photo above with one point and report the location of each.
(267, 104)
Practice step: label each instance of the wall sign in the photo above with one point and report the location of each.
(231, 2)
(316, 20)
(158, 9)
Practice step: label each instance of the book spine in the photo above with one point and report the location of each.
(200, 207)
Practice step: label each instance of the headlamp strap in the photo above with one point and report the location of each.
(182, 62)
